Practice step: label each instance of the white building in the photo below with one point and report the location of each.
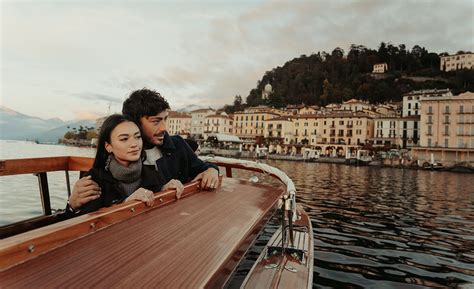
(198, 121)
(386, 131)
(380, 68)
(458, 61)
(411, 100)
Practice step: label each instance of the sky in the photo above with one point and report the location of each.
(81, 59)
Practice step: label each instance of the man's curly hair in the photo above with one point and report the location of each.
(144, 102)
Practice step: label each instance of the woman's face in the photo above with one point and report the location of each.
(125, 143)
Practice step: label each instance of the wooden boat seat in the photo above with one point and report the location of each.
(191, 243)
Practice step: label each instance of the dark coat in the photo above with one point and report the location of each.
(179, 161)
(111, 193)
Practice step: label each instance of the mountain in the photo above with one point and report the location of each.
(17, 126)
(52, 135)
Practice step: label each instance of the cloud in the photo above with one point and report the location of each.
(97, 97)
(194, 53)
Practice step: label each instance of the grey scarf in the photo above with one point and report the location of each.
(130, 178)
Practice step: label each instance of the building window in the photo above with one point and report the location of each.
(446, 109)
(429, 142)
(461, 109)
(446, 142)
(430, 109)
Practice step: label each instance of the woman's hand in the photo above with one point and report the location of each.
(143, 195)
(174, 184)
(84, 191)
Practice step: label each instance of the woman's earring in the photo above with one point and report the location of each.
(107, 162)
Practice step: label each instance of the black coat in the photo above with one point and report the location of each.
(179, 161)
(111, 192)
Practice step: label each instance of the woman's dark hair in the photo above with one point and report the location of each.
(144, 102)
(104, 136)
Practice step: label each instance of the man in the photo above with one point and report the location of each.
(169, 155)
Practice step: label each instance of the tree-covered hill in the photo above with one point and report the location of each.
(323, 78)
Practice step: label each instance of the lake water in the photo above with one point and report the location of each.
(373, 227)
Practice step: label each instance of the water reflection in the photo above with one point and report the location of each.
(385, 228)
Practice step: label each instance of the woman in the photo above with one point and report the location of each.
(118, 169)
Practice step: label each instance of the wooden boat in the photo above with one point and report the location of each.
(194, 242)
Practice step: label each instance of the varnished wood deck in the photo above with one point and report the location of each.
(192, 243)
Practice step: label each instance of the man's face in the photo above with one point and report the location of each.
(154, 127)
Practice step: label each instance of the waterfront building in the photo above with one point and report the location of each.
(218, 123)
(386, 131)
(447, 129)
(457, 61)
(278, 130)
(179, 123)
(333, 133)
(380, 68)
(411, 100)
(198, 120)
(351, 128)
(409, 131)
(249, 124)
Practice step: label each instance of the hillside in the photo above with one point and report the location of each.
(323, 78)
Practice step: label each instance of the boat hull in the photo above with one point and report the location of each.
(291, 267)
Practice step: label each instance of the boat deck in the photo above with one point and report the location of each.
(193, 243)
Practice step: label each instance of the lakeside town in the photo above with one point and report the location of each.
(429, 128)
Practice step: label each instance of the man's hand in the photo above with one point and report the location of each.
(143, 195)
(209, 179)
(174, 184)
(84, 191)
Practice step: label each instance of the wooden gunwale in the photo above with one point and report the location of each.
(33, 243)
